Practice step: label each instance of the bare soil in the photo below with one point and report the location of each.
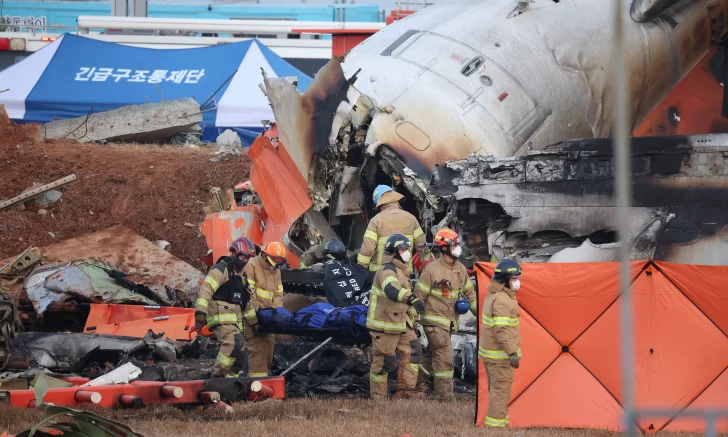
(310, 418)
(157, 191)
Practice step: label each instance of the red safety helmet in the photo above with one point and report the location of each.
(446, 237)
(243, 246)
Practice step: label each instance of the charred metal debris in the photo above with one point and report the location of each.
(558, 204)
(554, 204)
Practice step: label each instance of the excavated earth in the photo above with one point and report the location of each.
(157, 191)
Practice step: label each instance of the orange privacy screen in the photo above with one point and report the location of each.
(570, 373)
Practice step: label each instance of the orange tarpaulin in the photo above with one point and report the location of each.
(571, 374)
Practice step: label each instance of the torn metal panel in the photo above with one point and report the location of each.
(558, 203)
(73, 352)
(306, 119)
(350, 197)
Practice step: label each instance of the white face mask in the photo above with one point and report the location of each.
(406, 256)
(457, 251)
(515, 284)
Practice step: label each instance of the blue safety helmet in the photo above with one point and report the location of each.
(381, 189)
(462, 306)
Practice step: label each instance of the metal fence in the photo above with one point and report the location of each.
(623, 183)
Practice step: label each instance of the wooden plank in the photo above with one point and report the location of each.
(37, 191)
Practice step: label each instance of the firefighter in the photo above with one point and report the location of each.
(264, 277)
(500, 339)
(220, 303)
(314, 255)
(391, 297)
(440, 286)
(390, 220)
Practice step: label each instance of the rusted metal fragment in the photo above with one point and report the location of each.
(143, 261)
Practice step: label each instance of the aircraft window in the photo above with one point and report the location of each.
(472, 66)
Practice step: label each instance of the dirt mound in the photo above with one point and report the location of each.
(156, 191)
(13, 133)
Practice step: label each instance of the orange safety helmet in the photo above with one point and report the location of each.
(276, 252)
(446, 237)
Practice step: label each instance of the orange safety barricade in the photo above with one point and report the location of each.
(571, 374)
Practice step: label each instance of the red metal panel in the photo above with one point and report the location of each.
(108, 314)
(221, 228)
(150, 392)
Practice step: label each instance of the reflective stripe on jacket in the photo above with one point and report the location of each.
(390, 220)
(500, 333)
(218, 312)
(440, 308)
(265, 282)
(390, 291)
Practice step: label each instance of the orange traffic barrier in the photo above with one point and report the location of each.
(571, 352)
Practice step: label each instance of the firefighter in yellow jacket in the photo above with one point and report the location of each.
(391, 297)
(500, 339)
(264, 277)
(222, 302)
(440, 286)
(314, 255)
(390, 220)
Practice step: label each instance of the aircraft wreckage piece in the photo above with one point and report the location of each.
(558, 204)
(428, 89)
(73, 352)
(464, 76)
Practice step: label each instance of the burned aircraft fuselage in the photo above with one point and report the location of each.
(470, 77)
(558, 204)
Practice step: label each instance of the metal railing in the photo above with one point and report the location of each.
(623, 182)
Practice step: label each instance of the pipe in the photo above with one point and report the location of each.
(131, 401)
(209, 397)
(285, 372)
(224, 406)
(170, 391)
(260, 391)
(88, 396)
(623, 183)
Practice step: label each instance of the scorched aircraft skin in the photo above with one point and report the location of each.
(464, 78)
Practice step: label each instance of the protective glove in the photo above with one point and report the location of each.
(254, 329)
(515, 360)
(418, 304)
(200, 320)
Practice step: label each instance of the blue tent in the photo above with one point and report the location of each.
(75, 75)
